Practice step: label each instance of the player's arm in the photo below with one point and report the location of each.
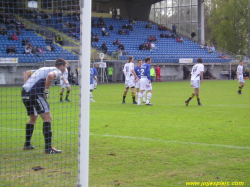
(201, 74)
(65, 82)
(237, 73)
(27, 75)
(136, 77)
(48, 82)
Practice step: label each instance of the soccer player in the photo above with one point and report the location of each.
(65, 83)
(95, 75)
(35, 93)
(196, 80)
(130, 77)
(240, 76)
(138, 73)
(145, 82)
(92, 78)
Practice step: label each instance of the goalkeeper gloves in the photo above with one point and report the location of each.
(46, 93)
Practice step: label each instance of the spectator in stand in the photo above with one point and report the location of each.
(165, 28)
(52, 47)
(246, 73)
(10, 37)
(15, 37)
(150, 38)
(167, 35)
(19, 32)
(181, 40)
(174, 36)
(160, 28)
(158, 73)
(130, 27)
(13, 50)
(193, 35)
(213, 48)
(209, 49)
(162, 35)
(208, 75)
(54, 13)
(12, 27)
(33, 50)
(222, 55)
(93, 24)
(59, 40)
(104, 47)
(131, 21)
(153, 45)
(125, 26)
(174, 28)
(8, 50)
(148, 26)
(41, 50)
(117, 42)
(96, 38)
(104, 32)
(114, 42)
(121, 47)
(48, 48)
(3, 29)
(111, 27)
(100, 20)
(120, 31)
(27, 50)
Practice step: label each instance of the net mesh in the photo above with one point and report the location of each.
(33, 34)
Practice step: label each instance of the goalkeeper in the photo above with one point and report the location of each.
(35, 93)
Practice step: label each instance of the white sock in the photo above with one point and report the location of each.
(137, 93)
(139, 98)
(149, 97)
(95, 85)
(91, 95)
(144, 96)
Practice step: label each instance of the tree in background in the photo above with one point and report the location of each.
(228, 24)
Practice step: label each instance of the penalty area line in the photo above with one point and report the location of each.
(147, 139)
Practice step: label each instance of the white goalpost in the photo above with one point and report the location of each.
(85, 53)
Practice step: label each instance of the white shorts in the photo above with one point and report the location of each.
(64, 85)
(130, 83)
(145, 85)
(91, 87)
(241, 78)
(195, 83)
(138, 84)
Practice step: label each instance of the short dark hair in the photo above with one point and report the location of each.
(130, 58)
(199, 60)
(60, 62)
(139, 60)
(147, 59)
(240, 61)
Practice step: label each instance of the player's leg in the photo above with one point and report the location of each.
(125, 93)
(67, 95)
(149, 88)
(95, 83)
(197, 92)
(44, 111)
(133, 94)
(28, 102)
(61, 94)
(241, 84)
(144, 94)
(193, 85)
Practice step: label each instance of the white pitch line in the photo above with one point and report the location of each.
(148, 139)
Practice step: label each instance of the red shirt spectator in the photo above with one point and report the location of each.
(15, 37)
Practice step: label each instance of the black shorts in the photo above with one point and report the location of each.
(35, 104)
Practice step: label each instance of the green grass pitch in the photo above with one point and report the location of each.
(164, 145)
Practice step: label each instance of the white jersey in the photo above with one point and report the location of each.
(196, 71)
(240, 70)
(65, 75)
(128, 70)
(36, 83)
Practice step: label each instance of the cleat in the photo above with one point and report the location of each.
(123, 102)
(199, 104)
(28, 147)
(95, 88)
(187, 102)
(52, 150)
(239, 92)
(139, 104)
(92, 100)
(134, 102)
(61, 101)
(150, 104)
(67, 100)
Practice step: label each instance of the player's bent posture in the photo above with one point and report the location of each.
(95, 75)
(145, 82)
(196, 80)
(138, 73)
(130, 77)
(92, 78)
(65, 83)
(240, 76)
(35, 93)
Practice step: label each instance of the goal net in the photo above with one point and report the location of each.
(34, 34)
